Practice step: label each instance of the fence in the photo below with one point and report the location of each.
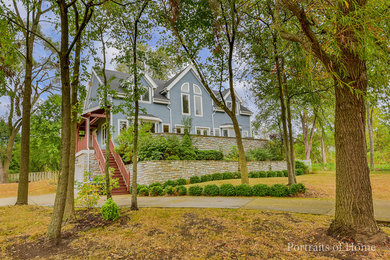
(36, 176)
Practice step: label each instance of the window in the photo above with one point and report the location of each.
(202, 130)
(225, 133)
(229, 104)
(198, 106)
(122, 125)
(185, 104)
(216, 132)
(145, 97)
(166, 128)
(244, 133)
(185, 87)
(197, 90)
(179, 129)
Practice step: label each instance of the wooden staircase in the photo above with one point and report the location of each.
(117, 175)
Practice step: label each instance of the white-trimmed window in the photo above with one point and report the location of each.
(166, 128)
(217, 132)
(179, 129)
(123, 124)
(145, 97)
(202, 130)
(225, 132)
(229, 104)
(185, 87)
(198, 106)
(197, 90)
(244, 133)
(185, 104)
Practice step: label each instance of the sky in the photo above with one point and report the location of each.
(49, 31)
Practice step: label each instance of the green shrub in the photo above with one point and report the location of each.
(156, 191)
(260, 190)
(209, 155)
(298, 172)
(243, 190)
(152, 149)
(155, 184)
(194, 179)
(302, 166)
(169, 183)
(253, 174)
(139, 188)
(279, 190)
(211, 190)
(205, 178)
(181, 190)
(263, 174)
(237, 175)
(181, 181)
(110, 210)
(227, 175)
(285, 173)
(170, 190)
(271, 174)
(227, 189)
(173, 158)
(280, 174)
(144, 191)
(195, 190)
(259, 154)
(297, 188)
(217, 176)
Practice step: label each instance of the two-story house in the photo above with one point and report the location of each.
(166, 104)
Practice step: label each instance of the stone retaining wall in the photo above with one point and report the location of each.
(223, 144)
(81, 164)
(161, 171)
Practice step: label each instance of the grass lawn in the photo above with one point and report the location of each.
(34, 188)
(321, 184)
(173, 233)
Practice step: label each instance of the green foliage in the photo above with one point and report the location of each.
(233, 154)
(243, 190)
(155, 184)
(227, 189)
(88, 193)
(205, 178)
(227, 175)
(152, 149)
(217, 176)
(253, 174)
(181, 181)
(169, 190)
(209, 155)
(144, 191)
(110, 210)
(280, 174)
(259, 154)
(237, 175)
(169, 183)
(156, 191)
(173, 158)
(285, 173)
(139, 187)
(194, 179)
(173, 148)
(195, 190)
(272, 174)
(297, 188)
(299, 172)
(181, 190)
(301, 165)
(263, 174)
(260, 190)
(211, 190)
(279, 190)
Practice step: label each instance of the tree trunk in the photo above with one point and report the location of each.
(54, 229)
(8, 154)
(1, 171)
(323, 154)
(307, 139)
(291, 176)
(371, 135)
(108, 138)
(354, 216)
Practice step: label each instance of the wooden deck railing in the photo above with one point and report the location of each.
(98, 153)
(36, 176)
(81, 144)
(122, 168)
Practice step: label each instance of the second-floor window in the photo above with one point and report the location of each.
(145, 97)
(185, 104)
(198, 106)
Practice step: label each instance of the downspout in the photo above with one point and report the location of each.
(170, 117)
(212, 120)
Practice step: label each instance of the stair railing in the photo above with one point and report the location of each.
(122, 168)
(98, 153)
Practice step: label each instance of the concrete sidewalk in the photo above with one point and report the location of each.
(298, 205)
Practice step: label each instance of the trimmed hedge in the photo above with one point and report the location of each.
(260, 190)
(297, 188)
(209, 155)
(181, 190)
(243, 190)
(279, 190)
(195, 190)
(227, 189)
(156, 191)
(211, 190)
(194, 179)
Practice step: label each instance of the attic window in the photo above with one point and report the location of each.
(145, 97)
(185, 87)
(197, 90)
